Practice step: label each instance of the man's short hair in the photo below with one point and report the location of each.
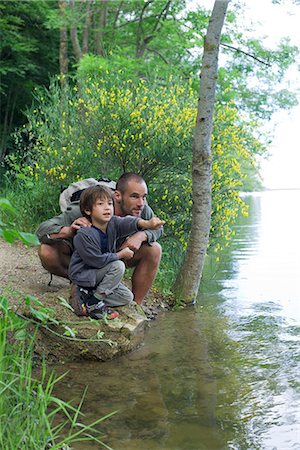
(126, 178)
(90, 195)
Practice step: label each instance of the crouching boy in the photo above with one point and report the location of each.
(96, 266)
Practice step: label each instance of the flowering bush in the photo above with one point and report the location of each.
(102, 128)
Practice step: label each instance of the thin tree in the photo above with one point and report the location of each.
(63, 45)
(100, 27)
(188, 279)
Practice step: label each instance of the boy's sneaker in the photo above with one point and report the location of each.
(100, 310)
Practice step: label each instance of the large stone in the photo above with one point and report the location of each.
(94, 339)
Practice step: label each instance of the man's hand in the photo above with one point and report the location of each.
(125, 253)
(80, 222)
(70, 231)
(135, 241)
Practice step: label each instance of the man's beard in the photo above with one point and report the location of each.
(132, 212)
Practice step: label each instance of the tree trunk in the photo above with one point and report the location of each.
(100, 29)
(74, 35)
(63, 46)
(188, 279)
(86, 28)
(5, 130)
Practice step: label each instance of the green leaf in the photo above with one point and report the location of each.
(21, 334)
(4, 303)
(29, 238)
(64, 303)
(29, 299)
(100, 334)
(9, 235)
(69, 331)
(6, 205)
(40, 315)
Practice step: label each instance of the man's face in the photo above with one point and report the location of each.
(132, 201)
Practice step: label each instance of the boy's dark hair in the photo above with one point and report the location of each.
(90, 195)
(125, 178)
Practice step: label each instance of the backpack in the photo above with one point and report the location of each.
(73, 191)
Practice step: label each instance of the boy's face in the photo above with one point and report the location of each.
(133, 200)
(102, 211)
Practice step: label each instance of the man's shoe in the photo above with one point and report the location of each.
(100, 311)
(77, 300)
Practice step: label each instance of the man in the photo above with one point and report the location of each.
(56, 236)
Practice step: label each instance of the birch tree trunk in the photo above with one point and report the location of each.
(188, 279)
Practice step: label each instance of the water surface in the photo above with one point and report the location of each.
(222, 375)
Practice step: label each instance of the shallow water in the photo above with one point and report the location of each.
(223, 374)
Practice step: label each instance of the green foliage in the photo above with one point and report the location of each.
(28, 56)
(29, 412)
(108, 125)
(139, 34)
(234, 151)
(101, 129)
(172, 257)
(91, 66)
(7, 228)
(255, 73)
(152, 40)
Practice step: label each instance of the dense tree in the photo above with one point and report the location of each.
(28, 54)
(154, 39)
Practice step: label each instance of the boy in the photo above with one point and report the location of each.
(96, 266)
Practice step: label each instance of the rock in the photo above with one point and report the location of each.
(94, 339)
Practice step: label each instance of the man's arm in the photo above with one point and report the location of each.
(63, 226)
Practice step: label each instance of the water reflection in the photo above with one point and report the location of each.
(223, 375)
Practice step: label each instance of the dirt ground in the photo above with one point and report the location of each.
(20, 269)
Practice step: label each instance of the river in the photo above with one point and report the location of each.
(225, 373)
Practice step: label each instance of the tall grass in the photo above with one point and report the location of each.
(31, 417)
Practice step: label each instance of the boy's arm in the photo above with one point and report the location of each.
(150, 230)
(134, 241)
(150, 236)
(88, 248)
(153, 224)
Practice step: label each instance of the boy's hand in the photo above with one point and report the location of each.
(135, 241)
(125, 253)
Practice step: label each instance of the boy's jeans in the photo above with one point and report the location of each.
(109, 287)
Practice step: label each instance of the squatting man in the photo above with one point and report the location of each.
(56, 237)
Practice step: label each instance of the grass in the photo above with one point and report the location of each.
(31, 417)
